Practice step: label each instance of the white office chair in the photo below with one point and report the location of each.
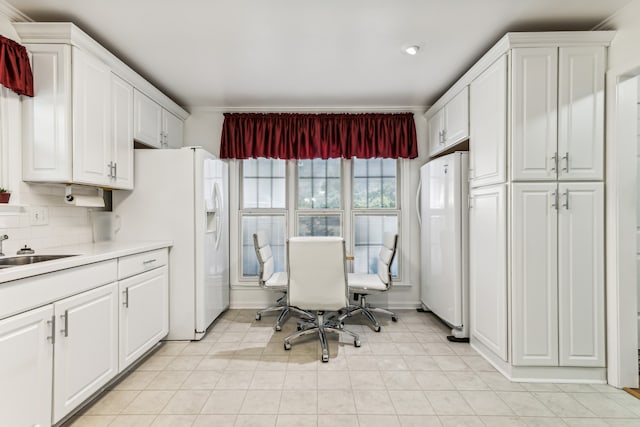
(361, 285)
(317, 282)
(272, 281)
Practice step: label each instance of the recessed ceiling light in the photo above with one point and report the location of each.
(411, 49)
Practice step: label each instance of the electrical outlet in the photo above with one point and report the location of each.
(39, 216)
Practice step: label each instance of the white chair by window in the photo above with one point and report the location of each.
(361, 285)
(317, 282)
(272, 281)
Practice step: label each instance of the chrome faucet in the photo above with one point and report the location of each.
(3, 237)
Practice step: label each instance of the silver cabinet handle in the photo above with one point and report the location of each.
(110, 166)
(566, 159)
(65, 330)
(115, 170)
(554, 200)
(125, 298)
(149, 261)
(52, 338)
(444, 136)
(470, 201)
(566, 200)
(554, 162)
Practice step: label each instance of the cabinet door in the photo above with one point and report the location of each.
(26, 370)
(534, 274)
(581, 274)
(147, 121)
(488, 126)
(91, 120)
(581, 113)
(122, 125)
(173, 130)
(144, 313)
(435, 123)
(456, 118)
(46, 148)
(534, 86)
(488, 267)
(86, 346)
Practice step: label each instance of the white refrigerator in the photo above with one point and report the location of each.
(444, 221)
(182, 195)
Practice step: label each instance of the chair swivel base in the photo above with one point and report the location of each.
(321, 326)
(367, 311)
(284, 310)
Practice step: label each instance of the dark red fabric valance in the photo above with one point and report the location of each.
(15, 70)
(310, 136)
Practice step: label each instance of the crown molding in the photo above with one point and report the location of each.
(416, 109)
(12, 14)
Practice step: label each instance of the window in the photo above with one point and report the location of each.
(319, 189)
(374, 183)
(263, 209)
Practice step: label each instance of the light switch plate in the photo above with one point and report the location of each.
(39, 216)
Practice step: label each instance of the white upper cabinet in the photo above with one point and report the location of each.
(450, 124)
(488, 136)
(121, 168)
(581, 113)
(558, 113)
(581, 274)
(534, 88)
(155, 126)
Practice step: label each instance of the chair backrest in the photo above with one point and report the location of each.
(317, 273)
(265, 256)
(387, 253)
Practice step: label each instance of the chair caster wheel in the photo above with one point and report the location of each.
(287, 346)
(299, 327)
(325, 357)
(394, 318)
(356, 343)
(278, 328)
(376, 328)
(258, 316)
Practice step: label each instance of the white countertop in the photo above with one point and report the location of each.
(86, 254)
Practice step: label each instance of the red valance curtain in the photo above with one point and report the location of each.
(15, 70)
(309, 136)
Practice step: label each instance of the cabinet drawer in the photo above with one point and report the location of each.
(138, 263)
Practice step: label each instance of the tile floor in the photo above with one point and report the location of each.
(406, 375)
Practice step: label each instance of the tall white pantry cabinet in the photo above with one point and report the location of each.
(536, 208)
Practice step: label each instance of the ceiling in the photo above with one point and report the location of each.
(328, 54)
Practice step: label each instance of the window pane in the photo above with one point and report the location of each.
(274, 226)
(319, 184)
(263, 183)
(369, 231)
(374, 183)
(319, 225)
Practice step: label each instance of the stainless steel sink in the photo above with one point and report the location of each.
(28, 259)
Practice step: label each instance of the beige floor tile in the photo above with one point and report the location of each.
(196, 348)
(585, 422)
(334, 380)
(419, 421)
(410, 403)
(383, 348)
(336, 363)
(602, 406)
(168, 380)
(174, 421)
(149, 402)
(448, 403)
(451, 363)
(132, 421)
(235, 380)
(184, 363)
(186, 402)
(267, 380)
(155, 363)
(113, 402)
(300, 380)
(478, 363)
(261, 402)
(136, 380)
(332, 420)
(252, 420)
(466, 380)
(373, 402)
(92, 421)
(288, 420)
(336, 402)
(497, 382)
(299, 402)
(224, 402)
(543, 421)
(433, 380)
(402, 337)
(201, 380)
(399, 380)
(623, 422)
(367, 420)
(223, 348)
(428, 337)
(563, 405)
(438, 349)
(306, 362)
(495, 421)
(367, 380)
(577, 388)
(486, 403)
(421, 363)
(545, 387)
(243, 363)
(215, 420)
(461, 421)
(274, 362)
(410, 348)
(172, 348)
(213, 362)
(463, 350)
(391, 363)
(362, 363)
(524, 404)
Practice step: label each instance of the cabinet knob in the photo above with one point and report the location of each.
(566, 159)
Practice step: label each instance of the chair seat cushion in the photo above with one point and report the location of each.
(362, 283)
(277, 281)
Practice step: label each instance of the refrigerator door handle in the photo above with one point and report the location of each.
(217, 203)
(418, 200)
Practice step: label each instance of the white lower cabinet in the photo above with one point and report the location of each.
(558, 274)
(488, 267)
(144, 313)
(26, 352)
(86, 346)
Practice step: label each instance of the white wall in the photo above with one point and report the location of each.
(66, 224)
(204, 127)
